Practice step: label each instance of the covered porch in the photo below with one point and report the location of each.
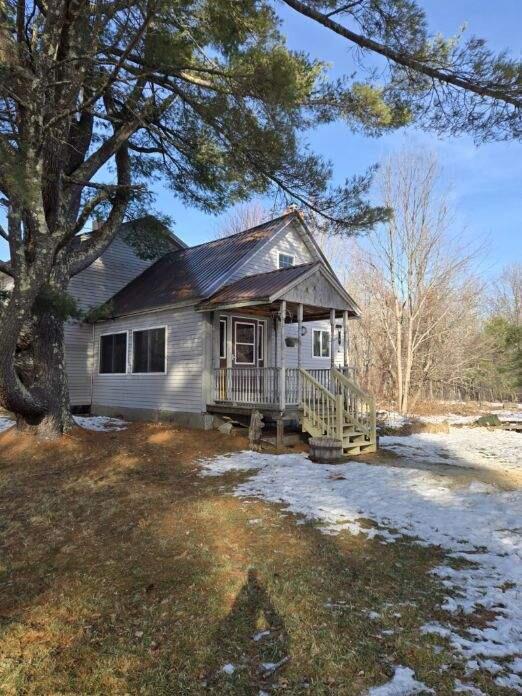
(260, 330)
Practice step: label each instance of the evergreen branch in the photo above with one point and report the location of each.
(406, 60)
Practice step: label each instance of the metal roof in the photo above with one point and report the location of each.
(192, 273)
(258, 287)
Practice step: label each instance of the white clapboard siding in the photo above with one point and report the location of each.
(180, 389)
(116, 267)
(289, 241)
(79, 361)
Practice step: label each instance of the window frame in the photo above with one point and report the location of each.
(113, 333)
(288, 256)
(223, 320)
(322, 357)
(151, 328)
(260, 348)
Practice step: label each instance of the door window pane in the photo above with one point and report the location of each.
(244, 333)
(244, 353)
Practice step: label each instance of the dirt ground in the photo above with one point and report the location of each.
(122, 571)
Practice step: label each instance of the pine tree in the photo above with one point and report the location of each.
(98, 99)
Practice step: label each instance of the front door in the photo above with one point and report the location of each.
(244, 334)
(248, 351)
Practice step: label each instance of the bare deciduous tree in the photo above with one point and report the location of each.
(243, 217)
(419, 291)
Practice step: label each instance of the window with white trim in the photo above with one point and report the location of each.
(149, 351)
(321, 343)
(285, 260)
(113, 353)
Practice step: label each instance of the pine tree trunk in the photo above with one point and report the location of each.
(50, 379)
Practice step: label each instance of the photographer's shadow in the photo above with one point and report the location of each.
(252, 638)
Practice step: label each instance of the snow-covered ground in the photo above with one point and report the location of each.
(477, 448)
(392, 419)
(101, 424)
(475, 522)
(402, 684)
(5, 423)
(98, 423)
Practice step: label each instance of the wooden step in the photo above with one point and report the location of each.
(356, 438)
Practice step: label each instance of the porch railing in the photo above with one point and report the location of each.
(260, 385)
(322, 410)
(356, 403)
(255, 385)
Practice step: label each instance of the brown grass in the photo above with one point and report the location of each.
(124, 572)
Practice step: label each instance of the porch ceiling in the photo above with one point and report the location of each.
(311, 285)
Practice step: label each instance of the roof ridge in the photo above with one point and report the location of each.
(236, 234)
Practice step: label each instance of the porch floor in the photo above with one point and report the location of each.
(291, 411)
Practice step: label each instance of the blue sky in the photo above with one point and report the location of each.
(485, 181)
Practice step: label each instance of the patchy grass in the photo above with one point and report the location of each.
(124, 572)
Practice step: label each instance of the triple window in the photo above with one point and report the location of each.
(148, 354)
(321, 343)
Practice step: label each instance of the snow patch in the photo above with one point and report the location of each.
(229, 668)
(481, 525)
(6, 423)
(473, 448)
(101, 424)
(402, 684)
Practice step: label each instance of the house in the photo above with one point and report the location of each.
(254, 320)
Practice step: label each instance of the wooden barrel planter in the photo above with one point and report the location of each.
(326, 450)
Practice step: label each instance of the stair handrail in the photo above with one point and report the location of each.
(369, 428)
(333, 423)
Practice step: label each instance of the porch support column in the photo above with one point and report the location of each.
(345, 337)
(332, 338)
(282, 384)
(299, 337)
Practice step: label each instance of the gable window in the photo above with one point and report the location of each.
(222, 339)
(286, 261)
(149, 351)
(321, 343)
(113, 354)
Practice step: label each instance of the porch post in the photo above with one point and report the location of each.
(299, 337)
(282, 384)
(332, 338)
(345, 336)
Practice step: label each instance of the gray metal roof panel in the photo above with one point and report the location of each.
(258, 287)
(192, 273)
